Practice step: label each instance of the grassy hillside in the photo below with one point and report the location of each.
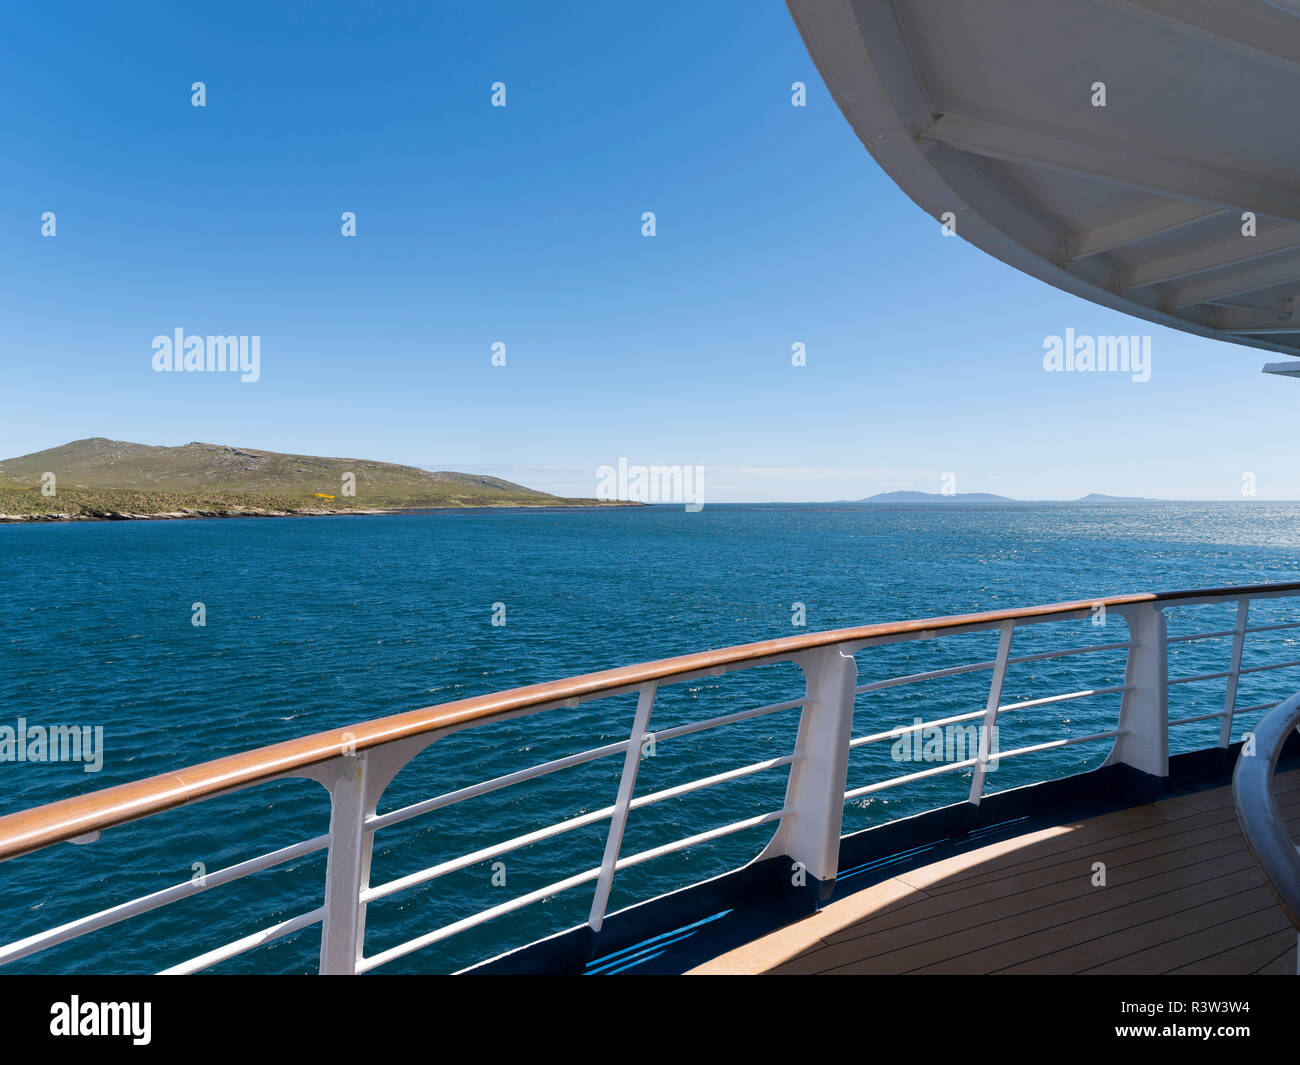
(17, 501)
(114, 477)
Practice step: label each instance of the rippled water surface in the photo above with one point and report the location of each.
(321, 622)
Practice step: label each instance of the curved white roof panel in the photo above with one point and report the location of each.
(991, 110)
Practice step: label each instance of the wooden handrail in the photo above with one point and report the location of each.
(56, 822)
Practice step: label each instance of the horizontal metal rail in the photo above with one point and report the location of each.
(364, 965)
(1066, 697)
(919, 726)
(1199, 717)
(947, 767)
(700, 837)
(1274, 665)
(1259, 706)
(1070, 741)
(429, 938)
(1203, 636)
(913, 678)
(974, 667)
(1200, 676)
(905, 730)
(95, 921)
(725, 719)
(247, 943)
(395, 817)
(433, 872)
(1274, 628)
(893, 782)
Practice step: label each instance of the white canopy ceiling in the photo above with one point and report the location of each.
(988, 109)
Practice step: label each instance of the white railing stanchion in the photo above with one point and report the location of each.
(347, 868)
(1234, 672)
(1143, 741)
(990, 715)
(809, 831)
(618, 820)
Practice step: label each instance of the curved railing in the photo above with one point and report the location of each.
(1257, 810)
(69, 819)
(356, 764)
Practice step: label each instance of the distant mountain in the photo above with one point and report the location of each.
(988, 497)
(936, 497)
(1097, 497)
(232, 475)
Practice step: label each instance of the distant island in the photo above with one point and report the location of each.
(101, 479)
(1097, 497)
(935, 497)
(988, 497)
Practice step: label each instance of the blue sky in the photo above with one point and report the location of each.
(523, 225)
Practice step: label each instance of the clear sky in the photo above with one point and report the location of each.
(523, 225)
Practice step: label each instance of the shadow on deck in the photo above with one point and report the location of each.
(1182, 894)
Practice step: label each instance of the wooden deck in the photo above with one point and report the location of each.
(1182, 895)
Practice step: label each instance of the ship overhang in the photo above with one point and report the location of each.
(1132, 152)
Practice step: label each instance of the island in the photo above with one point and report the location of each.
(98, 479)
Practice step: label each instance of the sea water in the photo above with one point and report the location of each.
(187, 640)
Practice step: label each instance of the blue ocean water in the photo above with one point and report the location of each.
(314, 623)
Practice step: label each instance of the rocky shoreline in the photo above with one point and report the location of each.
(254, 512)
(173, 515)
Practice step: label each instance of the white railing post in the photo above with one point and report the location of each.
(347, 868)
(1143, 742)
(1234, 671)
(618, 820)
(809, 830)
(990, 720)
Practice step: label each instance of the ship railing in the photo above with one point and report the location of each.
(1256, 804)
(356, 765)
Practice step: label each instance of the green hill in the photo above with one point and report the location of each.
(116, 476)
